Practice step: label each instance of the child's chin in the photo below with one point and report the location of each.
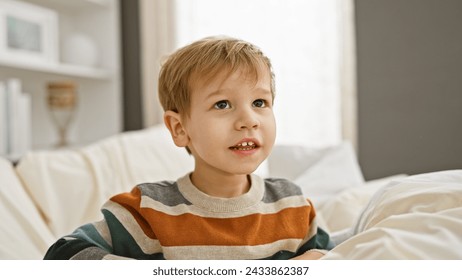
(243, 170)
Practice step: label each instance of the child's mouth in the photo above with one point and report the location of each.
(244, 146)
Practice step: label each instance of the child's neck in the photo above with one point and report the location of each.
(221, 185)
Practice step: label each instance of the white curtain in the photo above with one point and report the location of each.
(311, 47)
(157, 30)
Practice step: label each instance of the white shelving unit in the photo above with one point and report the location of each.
(98, 112)
(77, 71)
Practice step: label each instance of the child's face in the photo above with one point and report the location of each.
(231, 127)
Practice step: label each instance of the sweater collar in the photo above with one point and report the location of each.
(218, 204)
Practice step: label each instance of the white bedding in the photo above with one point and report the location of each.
(69, 186)
(23, 233)
(418, 217)
(51, 193)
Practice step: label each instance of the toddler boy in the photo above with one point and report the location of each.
(217, 94)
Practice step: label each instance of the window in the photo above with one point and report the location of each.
(303, 40)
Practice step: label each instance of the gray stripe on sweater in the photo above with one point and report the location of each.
(277, 188)
(167, 192)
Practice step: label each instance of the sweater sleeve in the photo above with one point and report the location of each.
(84, 243)
(318, 238)
(95, 240)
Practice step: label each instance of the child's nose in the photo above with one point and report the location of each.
(247, 119)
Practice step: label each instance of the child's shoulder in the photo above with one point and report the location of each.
(282, 187)
(159, 186)
(166, 192)
(280, 182)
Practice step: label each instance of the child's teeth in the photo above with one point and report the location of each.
(249, 144)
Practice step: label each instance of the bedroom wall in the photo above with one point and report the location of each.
(409, 85)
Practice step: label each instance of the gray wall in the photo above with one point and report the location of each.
(409, 85)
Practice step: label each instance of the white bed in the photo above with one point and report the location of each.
(417, 217)
(399, 217)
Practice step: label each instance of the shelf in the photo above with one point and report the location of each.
(71, 4)
(99, 113)
(58, 68)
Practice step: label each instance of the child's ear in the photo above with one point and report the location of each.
(174, 124)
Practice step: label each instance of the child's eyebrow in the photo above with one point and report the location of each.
(214, 93)
(258, 90)
(263, 91)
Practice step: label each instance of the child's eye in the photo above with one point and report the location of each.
(223, 104)
(260, 103)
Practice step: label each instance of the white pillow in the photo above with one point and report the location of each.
(290, 161)
(23, 233)
(321, 173)
(152, 156)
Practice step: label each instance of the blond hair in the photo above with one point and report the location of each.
(206, 58)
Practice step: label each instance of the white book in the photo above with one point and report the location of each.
(13, 93)
(24, 124)
(3, 121)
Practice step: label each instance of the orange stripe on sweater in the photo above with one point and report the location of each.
(131, 202)
(191, 230)
(255, 229)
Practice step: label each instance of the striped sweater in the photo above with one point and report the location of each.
(174, 220)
